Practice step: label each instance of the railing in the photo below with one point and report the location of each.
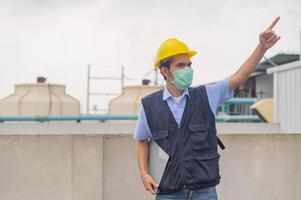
(237, 101)
(79, 118)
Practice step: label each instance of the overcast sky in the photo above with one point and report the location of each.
(58, 39)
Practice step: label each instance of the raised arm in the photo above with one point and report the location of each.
(267, 39)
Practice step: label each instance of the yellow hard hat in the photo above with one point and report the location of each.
(172, 47)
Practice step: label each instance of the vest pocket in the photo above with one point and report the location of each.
(208, 168)
(202, 170)
(199, 136)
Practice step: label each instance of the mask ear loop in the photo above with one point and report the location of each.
(168, 77)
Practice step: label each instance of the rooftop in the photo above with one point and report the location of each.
(278, 59)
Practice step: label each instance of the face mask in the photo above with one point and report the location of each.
(183, 78)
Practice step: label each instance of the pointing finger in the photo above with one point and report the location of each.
(273, 24)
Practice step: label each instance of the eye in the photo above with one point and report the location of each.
(181, 65)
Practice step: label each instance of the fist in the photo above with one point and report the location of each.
(149, 183)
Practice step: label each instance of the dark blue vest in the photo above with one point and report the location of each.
(192, 147)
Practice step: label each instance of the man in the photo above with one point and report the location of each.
(181, 120)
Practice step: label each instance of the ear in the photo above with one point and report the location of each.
(164, 71)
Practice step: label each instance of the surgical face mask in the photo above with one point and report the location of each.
(183, 78)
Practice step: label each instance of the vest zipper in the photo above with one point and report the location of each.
(182, 161)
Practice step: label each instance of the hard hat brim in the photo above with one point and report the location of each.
(190, 53)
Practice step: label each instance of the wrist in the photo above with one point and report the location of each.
(261, 48)
(143, 174)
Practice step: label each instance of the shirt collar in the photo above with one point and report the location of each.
(166, 93)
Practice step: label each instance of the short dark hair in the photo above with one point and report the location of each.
(165, 62)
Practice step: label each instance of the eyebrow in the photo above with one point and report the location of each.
(183, 64)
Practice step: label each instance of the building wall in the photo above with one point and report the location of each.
(102, 166)
(264, 86)
(287, 96)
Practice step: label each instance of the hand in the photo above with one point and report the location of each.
(268, 38)
(149, 183)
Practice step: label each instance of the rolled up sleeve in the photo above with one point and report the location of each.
(142, 131)
(218, 93)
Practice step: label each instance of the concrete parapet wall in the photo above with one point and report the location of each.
(104, 167)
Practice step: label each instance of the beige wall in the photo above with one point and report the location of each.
(104, 167)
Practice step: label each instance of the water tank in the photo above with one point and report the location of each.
(39, 99)
(129, 101)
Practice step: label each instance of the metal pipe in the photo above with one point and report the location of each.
(237, 118)
(241, 101)
(112, 117)
(68, 118)
(88, 89)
